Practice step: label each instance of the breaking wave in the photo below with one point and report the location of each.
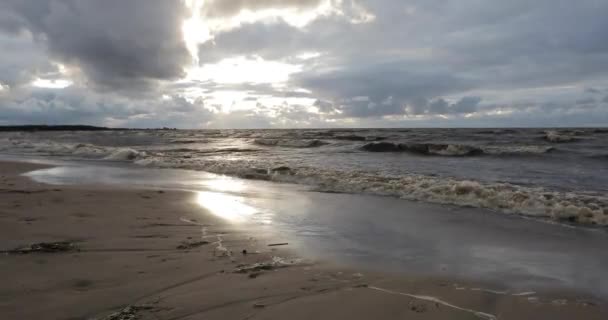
(124, 154)
(290, 143)
(188, 141)
(454, 149)
(576, 207)
(503, 197)
(559, 136)
(81, 150)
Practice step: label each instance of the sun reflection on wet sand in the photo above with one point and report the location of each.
(224, 184)
(227, 206)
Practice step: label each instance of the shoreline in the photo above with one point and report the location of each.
(144, 252)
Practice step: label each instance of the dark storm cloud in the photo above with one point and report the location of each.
(466, 105)
(21, 61)
(586, 101)
(388, 87)
(441, 107)
(269, 41)
(324, 106)
(75, 105)
(116, 43)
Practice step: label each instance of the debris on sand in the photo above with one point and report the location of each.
(185, 245)
(257, 268)
(417, 307)
(46, 247)
(128, 313)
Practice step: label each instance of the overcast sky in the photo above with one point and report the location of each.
(304, 63)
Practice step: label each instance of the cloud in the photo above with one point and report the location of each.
(466, 105)
(77, 105)
(585, 101)
(358, 63)
(224, 8)
(389, 87)
(115, 43)
(21, 61)
(269, 41)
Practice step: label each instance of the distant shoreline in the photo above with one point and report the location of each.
(32, 128)
(67, 128)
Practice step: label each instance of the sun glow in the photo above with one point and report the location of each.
(229, 207)
(194, 29)
(203, 25)
(52, 84)
(244, 70)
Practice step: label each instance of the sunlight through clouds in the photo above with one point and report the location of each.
(244, 70)
(51, 84)
(263, 63)
(194, 29)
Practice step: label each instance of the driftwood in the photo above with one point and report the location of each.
(278, 244)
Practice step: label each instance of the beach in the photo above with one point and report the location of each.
(156, 254)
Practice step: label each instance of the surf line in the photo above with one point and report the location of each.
(203, 226)
(219, 243)
(479, 314)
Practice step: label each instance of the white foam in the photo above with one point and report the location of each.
(124, 154)
(556, 136)
(290, 143)
(523, 149)
(503, 197)
(479, 314)
(81, 150)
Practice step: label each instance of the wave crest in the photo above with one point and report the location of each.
(454, 149)
(503, 197)
(290, 143)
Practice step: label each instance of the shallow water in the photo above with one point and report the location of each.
(382, 233)
(561, 174)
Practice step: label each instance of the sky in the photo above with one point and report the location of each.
(304, 63)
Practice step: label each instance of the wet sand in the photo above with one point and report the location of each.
(155, 254)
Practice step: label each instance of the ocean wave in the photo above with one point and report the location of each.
(559, 137)
(123, 154)
(353, 137)
(576, 207)
(504, 197)
(603, 156)
(290, 143)
(188, 141)
(454, 149)
(517, 150)
(80, 150)
(423, 148)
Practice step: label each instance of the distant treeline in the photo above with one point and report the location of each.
(77, 127)
(53, 128)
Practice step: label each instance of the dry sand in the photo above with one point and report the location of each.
(153, 254)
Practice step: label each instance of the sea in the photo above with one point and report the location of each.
(554, 174)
